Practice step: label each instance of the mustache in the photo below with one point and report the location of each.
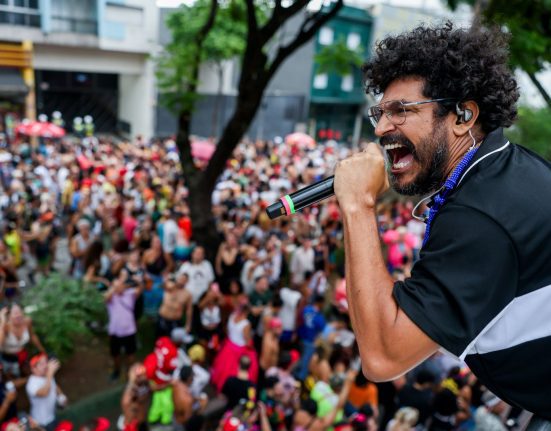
(399, 139)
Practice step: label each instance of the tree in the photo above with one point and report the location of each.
(338, 58)
(226, 41)
(533, 130)
(529, 24)
(262, 57)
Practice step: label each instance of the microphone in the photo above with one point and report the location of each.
(290, 204)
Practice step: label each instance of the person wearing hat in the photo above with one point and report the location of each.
(201, 377)
(195, 358)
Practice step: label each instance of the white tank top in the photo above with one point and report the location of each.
(235, 331)
(210, 316)
(13, 345)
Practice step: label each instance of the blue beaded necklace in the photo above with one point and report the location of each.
(440, 198)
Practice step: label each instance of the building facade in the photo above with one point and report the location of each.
(89, 57)
(291, 102)
(337, 101)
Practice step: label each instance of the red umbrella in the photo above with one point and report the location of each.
(42, 129)
(202, 150)
(301, 140)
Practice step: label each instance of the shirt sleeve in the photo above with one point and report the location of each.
(33, 386)
(466, 275)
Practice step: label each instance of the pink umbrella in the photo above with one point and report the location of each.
(42, 129)
(301, 140)
(202, 150)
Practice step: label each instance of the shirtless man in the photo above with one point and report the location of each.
(176, 299)
(270, 346)
(187, 409)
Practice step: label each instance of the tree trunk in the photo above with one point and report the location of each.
(203, 228)
(203, 224)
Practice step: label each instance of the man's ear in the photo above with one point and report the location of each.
(466, 115)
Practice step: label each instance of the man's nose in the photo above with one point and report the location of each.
(384, 125)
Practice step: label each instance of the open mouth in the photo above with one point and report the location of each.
(400, 156)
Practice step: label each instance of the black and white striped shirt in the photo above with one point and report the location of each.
(482, 286)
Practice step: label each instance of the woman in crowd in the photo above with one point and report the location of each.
(228, 262)
(237, 343)
(16, 332)
(210, 317)
(92, 263)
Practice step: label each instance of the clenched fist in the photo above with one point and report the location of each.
(361, 178)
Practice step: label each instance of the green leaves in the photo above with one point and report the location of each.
(338, 58)
(61, 309)
(529, 24)
(176, 66)
(533, 130)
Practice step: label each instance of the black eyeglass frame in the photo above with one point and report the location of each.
(375, 116)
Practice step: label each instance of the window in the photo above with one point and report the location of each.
(20, 12)
(25, 4)
(353, 41)
(320, 81)
(66, 18)
(347, 83)
(326, 36)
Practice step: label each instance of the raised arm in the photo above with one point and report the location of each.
(389, 342)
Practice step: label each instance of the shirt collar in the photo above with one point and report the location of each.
(492, 141)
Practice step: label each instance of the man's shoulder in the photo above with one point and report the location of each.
(511, 171)
(34, 383)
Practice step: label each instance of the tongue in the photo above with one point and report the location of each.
(404, 159)
(401, 154)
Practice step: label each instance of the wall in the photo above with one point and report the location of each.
(137, 99)
(130, 25)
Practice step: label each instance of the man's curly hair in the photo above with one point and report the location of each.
(463, 64)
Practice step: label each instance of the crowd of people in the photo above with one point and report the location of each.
(259, 337)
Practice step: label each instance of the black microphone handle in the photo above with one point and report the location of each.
(289, 204)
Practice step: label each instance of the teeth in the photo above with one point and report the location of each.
(393, 146)
(401, 165)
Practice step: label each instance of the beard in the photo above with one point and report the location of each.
(432, 157)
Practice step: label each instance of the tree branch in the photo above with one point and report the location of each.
(279, 16)
(252, 23)
(540, 88)
(307, 30)
(203, 33)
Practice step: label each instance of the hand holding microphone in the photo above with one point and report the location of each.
(361, 178)
(357, 180)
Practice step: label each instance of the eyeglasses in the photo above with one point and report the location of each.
(395, 110)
